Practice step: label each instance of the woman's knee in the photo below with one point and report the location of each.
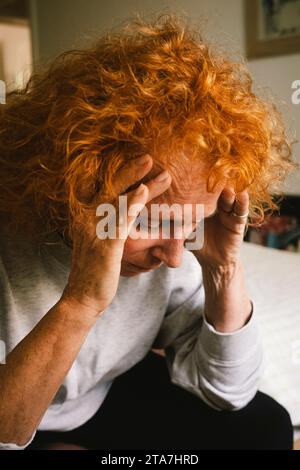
(269, 423)
(262, 424)
(59, 446)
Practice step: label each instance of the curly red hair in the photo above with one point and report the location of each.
(154, 87)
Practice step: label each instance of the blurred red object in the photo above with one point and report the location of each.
(275, 224)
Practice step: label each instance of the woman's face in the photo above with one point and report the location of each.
(142, 255)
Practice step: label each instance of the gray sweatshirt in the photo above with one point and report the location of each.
(160, 309)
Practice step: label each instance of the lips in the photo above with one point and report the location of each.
(144, 269)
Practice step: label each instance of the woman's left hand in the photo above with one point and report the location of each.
(227, 303)
(224, 230)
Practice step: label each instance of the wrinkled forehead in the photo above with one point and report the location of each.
(189, 186)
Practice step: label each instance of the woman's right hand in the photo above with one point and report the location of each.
(96, 263)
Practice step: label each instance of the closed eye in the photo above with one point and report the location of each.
(147, 224)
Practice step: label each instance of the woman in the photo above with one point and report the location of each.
(151, 114)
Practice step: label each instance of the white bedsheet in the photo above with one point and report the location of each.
(273, 281)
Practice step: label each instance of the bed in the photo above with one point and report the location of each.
(273, 280)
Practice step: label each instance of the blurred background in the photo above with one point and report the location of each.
(264, 33)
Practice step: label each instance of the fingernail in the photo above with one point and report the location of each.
(140, 189)
(142, 160)
(162, 176)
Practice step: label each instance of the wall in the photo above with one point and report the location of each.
(15, 44)
(62, 24)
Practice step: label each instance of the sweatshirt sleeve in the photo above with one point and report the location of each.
(13, 446)
(223, 369)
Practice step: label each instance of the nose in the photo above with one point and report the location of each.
(169, 251)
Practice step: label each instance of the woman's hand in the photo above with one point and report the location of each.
(227, 304)
(96, 263)
(224, 231)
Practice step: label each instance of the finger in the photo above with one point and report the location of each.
(127, 213)
(155, 187)
(226, 200)
(159, 184)
(156, 184)
(131, 173)
(234, 206)
(241, 206)
(138, 198)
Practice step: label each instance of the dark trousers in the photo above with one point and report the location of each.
(144, 410)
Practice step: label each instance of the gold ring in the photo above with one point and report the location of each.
(244, 216)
